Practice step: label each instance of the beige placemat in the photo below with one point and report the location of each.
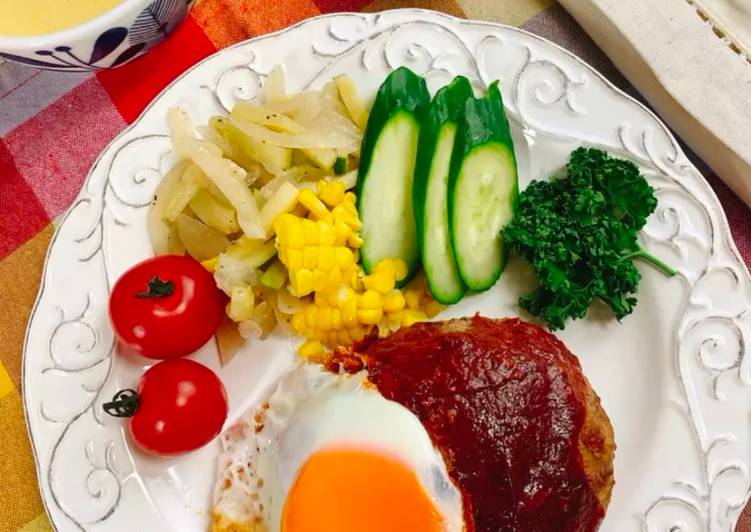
(689, 59)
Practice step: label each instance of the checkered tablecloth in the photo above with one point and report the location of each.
(53, 126)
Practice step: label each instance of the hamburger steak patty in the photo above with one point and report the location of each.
(522, 432)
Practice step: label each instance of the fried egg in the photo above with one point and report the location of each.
(328, 452)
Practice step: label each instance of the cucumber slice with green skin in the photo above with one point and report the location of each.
(430, 191)
(387, 163)
(483, 188)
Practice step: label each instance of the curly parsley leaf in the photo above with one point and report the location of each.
(579, 232)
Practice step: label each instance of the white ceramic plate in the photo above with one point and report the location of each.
(673, 376)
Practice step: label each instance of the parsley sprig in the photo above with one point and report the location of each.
(579, 232)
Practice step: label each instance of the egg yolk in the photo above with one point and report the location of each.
(358, 491)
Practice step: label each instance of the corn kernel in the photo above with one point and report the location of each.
(310, 257)
(351, 210)
(385, 266)
(311, 232)
(400, 269)
(320, 280)
(394, 267)
(380, 282)
(344, 257)
(342, 232)
(343, 337)
(326, 235)
(336, 319)
(410, 317)
(357, 334)
(369, 316)
(344, 295)
(355, 281)
(302, 281)
(313, 204)
(395, 319)
(281, 226)
(311, 312)
(433, 308)
(331, 193)
(324, 318)
(335, 277)
(393, 301)
(298, 322)
(294, 259)
(412, 297)
(332, 338)
(310, 348)
(347, 215)
(320, 299)
(331, 295)
(350, 197)
(293, 235)
(354, 240)
(370, 300)
(326, 258)
(349, 313)
(210, 264)
(282, 252)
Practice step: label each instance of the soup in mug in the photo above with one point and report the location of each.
(34, 17)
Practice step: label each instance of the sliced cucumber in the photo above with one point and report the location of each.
(430, 194)
(483, 187)
(387, 163)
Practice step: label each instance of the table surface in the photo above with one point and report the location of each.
(53, 126)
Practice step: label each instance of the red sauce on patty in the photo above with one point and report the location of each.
(505, 402)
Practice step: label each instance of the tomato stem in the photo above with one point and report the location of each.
(157, 288)
(123, 404)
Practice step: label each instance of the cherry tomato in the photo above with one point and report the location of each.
(166, 307)
(180, 405)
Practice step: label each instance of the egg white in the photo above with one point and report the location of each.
(311, 410)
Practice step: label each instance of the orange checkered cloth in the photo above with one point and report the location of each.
(53, 126)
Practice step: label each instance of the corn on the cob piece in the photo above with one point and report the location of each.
(319, 321)
(315, 250)
(319, 248)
